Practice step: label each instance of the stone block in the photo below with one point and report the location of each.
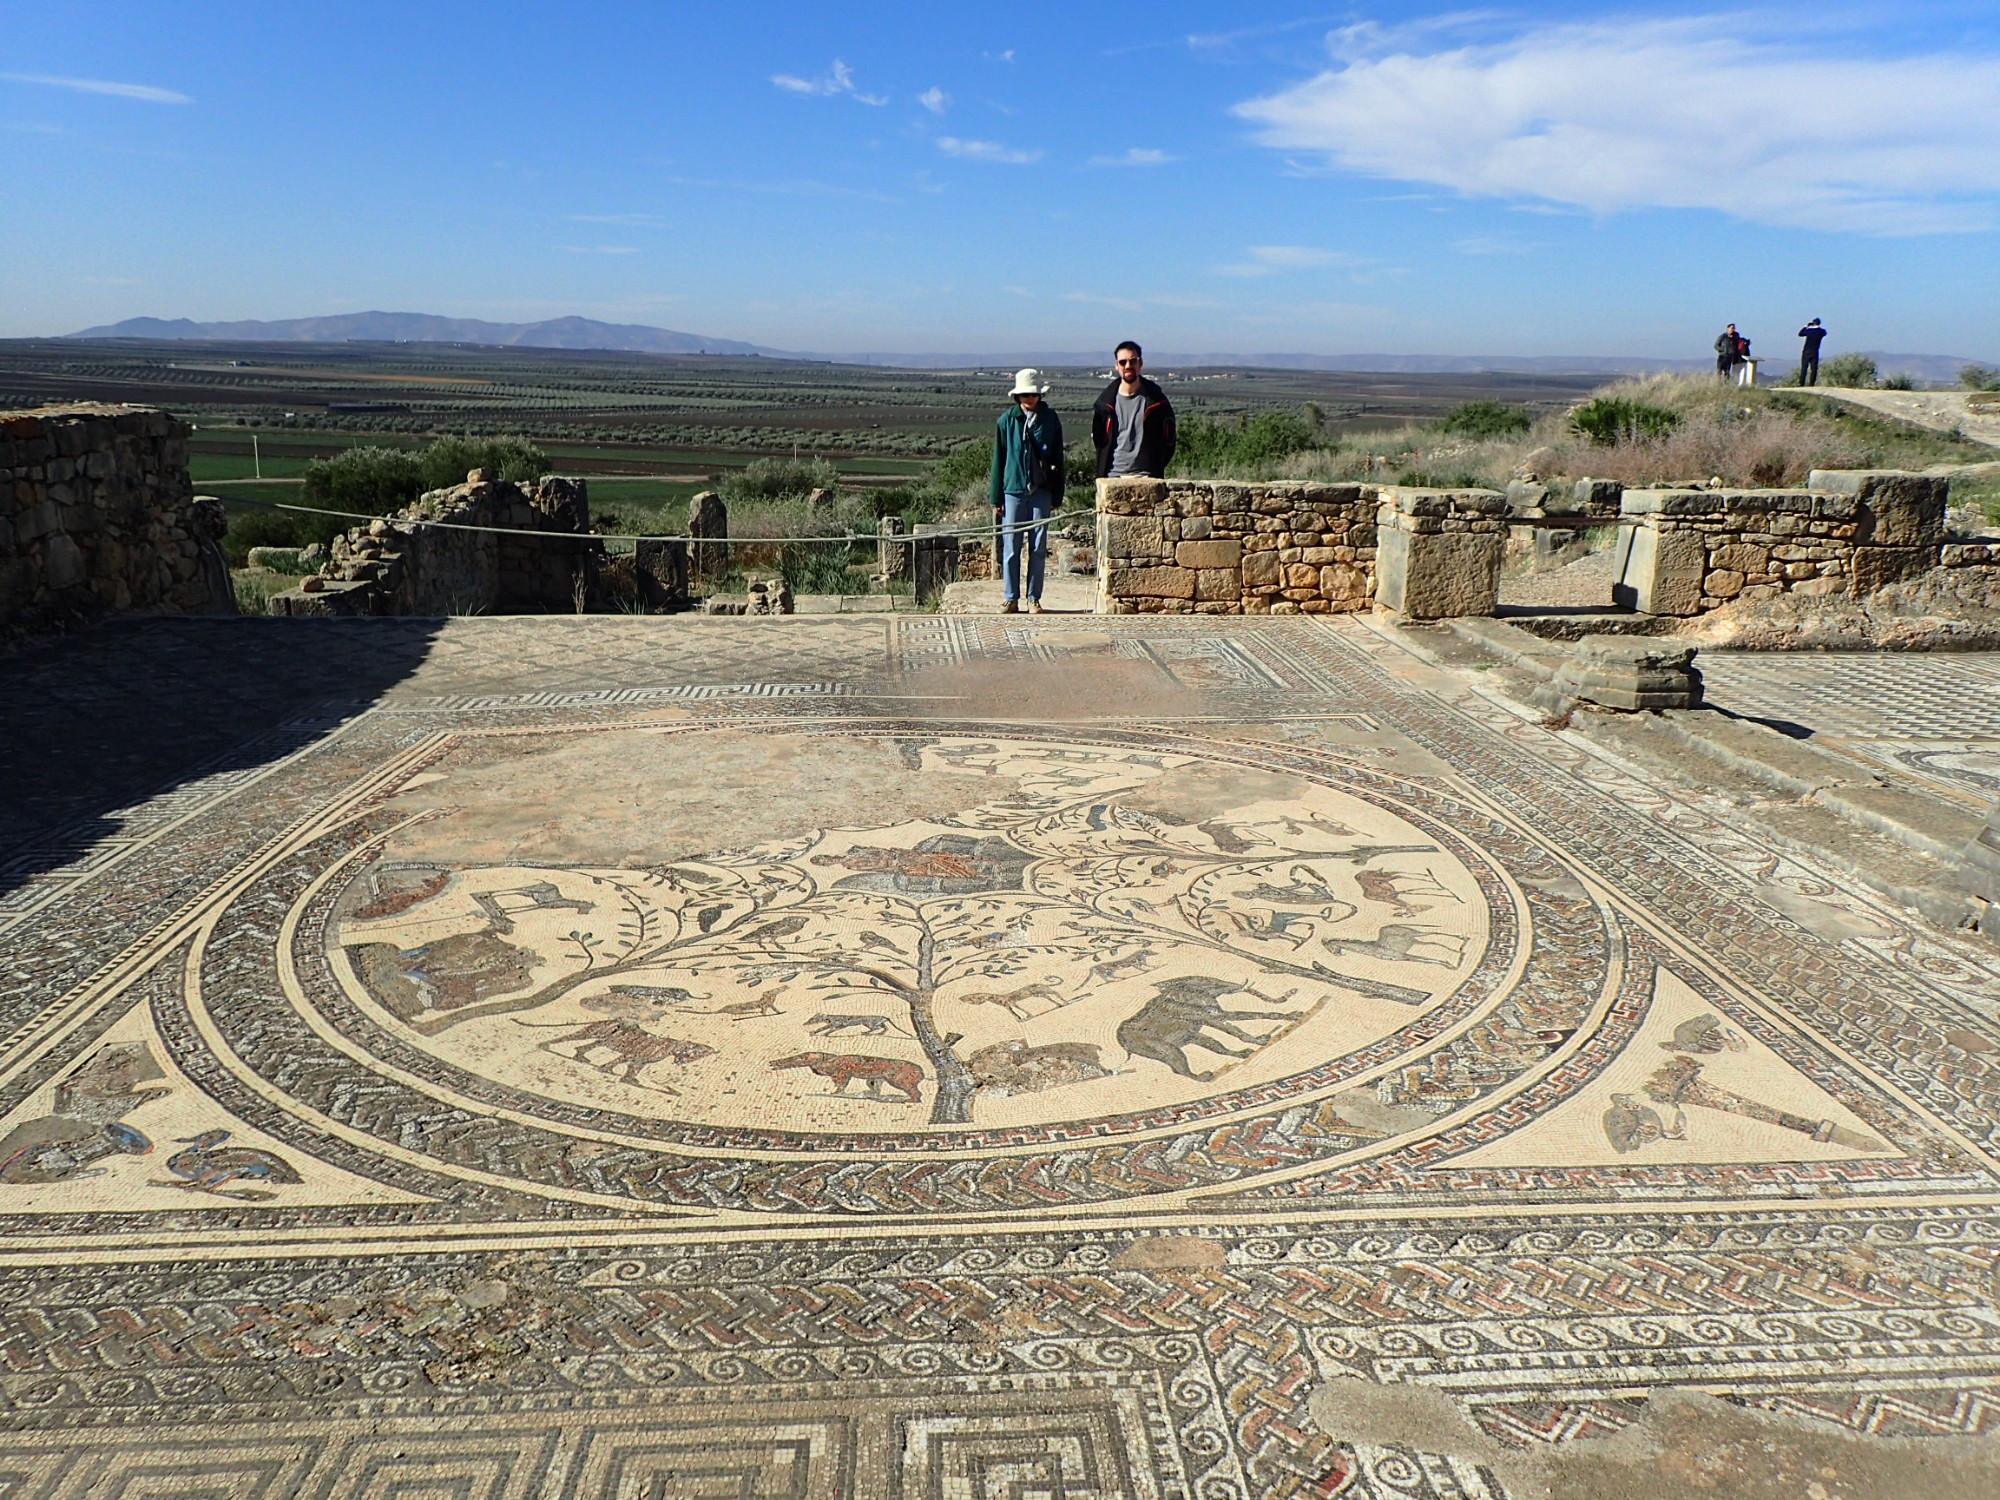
(1131, 497)
(1595, 497)
(1898, 509)
(1196, 528)
(1121, 537)
(1663, 571)
(1438, 575)
(1877, 567)
(1204, 555)
(1152, 583)
(1217, 584)
(1261, 570)
(1670, 503)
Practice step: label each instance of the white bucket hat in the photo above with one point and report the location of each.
(1029, 383)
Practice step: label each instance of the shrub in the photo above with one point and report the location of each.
(1481, 420)
(1979, 378)
(764, 480)
(372, 481)
(1854, 370)
(1611, 420)
(1897, 382)
(448, 460)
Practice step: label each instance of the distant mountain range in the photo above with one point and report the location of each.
(588, 333)
(423, 328)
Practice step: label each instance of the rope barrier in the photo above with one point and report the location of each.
(851, 538)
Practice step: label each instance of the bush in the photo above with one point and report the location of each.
(1979, 378)
(377, 481)
(1853, 370)
(448, 460)
(1481, 420)
(1254, 443)
(1897, 382)
(767, 479)
(1611, 420)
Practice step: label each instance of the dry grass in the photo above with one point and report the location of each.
(1749, 438)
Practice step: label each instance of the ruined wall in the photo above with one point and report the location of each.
(1180, 546)
(401, 566)
(97, 516)
(1848, 532)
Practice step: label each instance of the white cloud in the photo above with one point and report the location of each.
(1269, 260)
(838, 80)
(934, 99)
(144, 92)
(992, 151)
(1699, 112)
(1134, 156)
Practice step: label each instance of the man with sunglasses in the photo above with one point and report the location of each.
(1132, 423)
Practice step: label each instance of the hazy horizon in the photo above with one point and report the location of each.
(1397, 179)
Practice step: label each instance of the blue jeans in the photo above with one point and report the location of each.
(1020, 510)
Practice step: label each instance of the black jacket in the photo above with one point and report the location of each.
(1814, 335)
(1156, 436)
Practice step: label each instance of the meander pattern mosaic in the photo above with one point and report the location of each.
(692, 1080)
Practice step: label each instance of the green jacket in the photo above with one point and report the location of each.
(1027, 459)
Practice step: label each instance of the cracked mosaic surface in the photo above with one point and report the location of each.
(940, 1056)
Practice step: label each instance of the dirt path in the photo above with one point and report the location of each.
(1942, 411)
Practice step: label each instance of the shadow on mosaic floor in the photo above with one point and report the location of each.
(137, 708)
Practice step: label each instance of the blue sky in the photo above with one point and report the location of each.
(1575, 178)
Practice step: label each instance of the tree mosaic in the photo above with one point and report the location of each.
(1072, 926)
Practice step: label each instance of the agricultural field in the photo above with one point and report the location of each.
(681, 415)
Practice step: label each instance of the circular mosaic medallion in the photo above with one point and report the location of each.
(1101, 945)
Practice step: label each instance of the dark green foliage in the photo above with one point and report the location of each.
(1209, 446)
(1480, 420)
(448, 460)
(1979, 378)
(1610, 420)
(377, 481)
(768, 479)
(1851, 370)
(1898, 382)
(371, 481)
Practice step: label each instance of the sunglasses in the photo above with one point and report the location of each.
(1126, 362)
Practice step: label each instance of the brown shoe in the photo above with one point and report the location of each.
(1034, 606)
(1010, 607)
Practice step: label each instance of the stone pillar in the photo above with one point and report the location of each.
(1439, 551)
(664, 562)
(1664, 561)
(708, 524)
(892, 557)
(933, 563)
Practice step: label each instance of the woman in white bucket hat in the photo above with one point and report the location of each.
(1026, 484)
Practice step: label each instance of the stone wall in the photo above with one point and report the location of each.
(1179, 546)
(1440, 551)
(401, 566)
(1848, 532)
(97, 516)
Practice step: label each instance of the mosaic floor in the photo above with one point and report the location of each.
(1931, 719)
(937, 1057)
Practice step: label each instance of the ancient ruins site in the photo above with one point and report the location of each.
(1293, 1033)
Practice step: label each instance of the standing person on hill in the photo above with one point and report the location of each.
(1026, 481)
(1132, 423)
(1728, 352)
(1814, 336)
